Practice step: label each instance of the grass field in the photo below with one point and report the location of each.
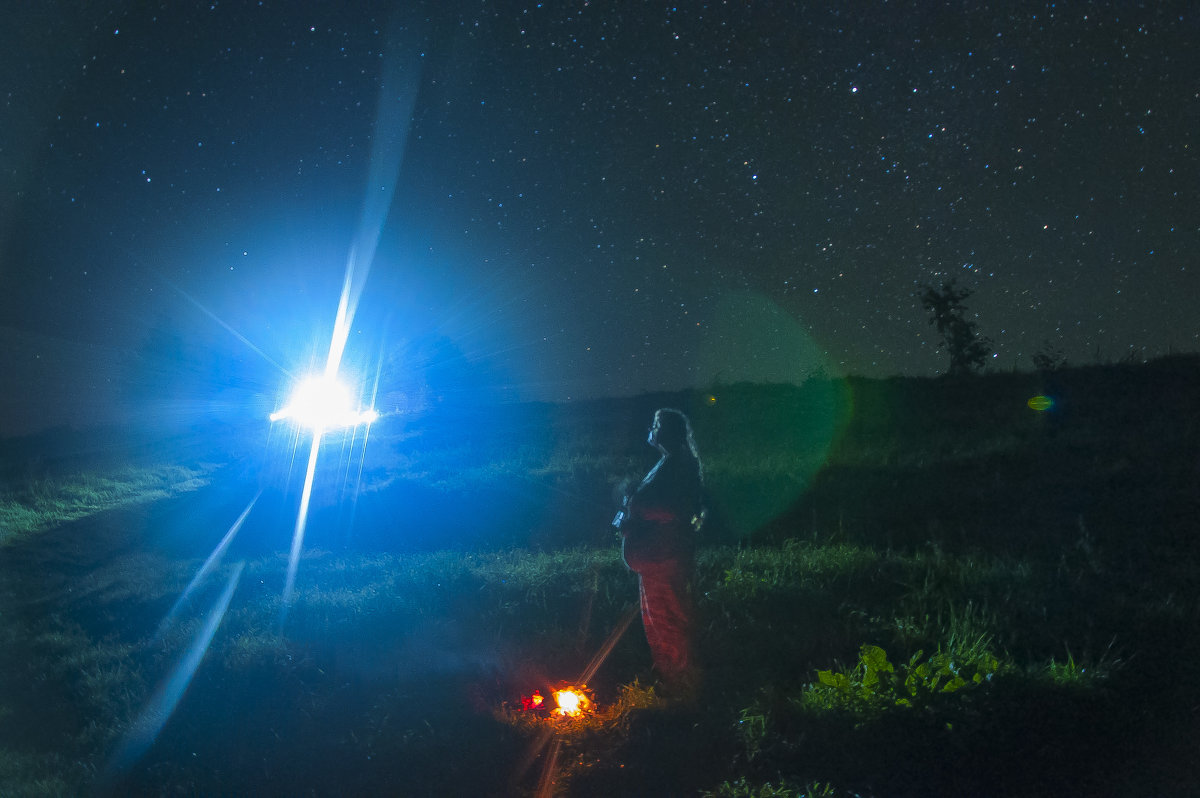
(908, 587)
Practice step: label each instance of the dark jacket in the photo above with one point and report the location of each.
(660, 516)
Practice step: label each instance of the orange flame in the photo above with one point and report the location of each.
(571, 702)
(531, 702)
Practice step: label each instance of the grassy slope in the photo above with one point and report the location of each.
(943, 517)
(37, 503)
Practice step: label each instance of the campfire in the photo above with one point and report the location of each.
(570, 701)
(565, 718)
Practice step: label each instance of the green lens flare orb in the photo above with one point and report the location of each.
(1040, 403)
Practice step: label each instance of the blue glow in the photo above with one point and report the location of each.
(209, 564)
(301, 521)
(324, 403)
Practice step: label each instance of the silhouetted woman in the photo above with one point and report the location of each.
(658, 528)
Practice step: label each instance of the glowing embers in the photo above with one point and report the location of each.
(532, 702)
(324, 403)
(570, 701)
(577, 725)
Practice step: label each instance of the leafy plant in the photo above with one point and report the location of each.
(1078, 673)
(744, 789)
(753, 728)
(875, 684)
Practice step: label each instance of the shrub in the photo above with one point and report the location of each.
(875, 684)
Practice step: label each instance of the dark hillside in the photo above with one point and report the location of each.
(969, 464)
(963, 463)
(902, 462)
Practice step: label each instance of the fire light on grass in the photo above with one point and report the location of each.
(570, 701)
(575, 715)
(575, 718)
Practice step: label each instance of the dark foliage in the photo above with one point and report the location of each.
(960, 337)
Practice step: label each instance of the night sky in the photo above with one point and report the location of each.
(594, 198)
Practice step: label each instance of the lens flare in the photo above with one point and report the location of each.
(323, 403)
(1040, 403)
(289, 584)
(213, 560)
(154, 716)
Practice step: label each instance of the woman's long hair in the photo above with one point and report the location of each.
(675, 436)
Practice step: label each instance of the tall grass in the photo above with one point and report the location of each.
(37, 502)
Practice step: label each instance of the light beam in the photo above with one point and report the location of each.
(393, 118)
(209, 564)
(146, 728)
(298, 534)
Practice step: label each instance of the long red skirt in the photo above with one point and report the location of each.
(667, 614)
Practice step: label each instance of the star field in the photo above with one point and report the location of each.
(601, 198)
